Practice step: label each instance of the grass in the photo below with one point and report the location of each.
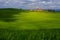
(30, 20)
(42, 34)
(29, 25)
(37, 20)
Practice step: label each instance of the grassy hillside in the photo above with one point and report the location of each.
(17, 24)
(19, 19)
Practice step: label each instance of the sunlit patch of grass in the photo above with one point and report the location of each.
(35, 16)
(37, 20)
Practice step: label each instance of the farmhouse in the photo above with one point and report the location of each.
(37, 9)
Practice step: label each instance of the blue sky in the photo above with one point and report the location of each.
(30, 4)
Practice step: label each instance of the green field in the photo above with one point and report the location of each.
(29, 25)
(15, 19)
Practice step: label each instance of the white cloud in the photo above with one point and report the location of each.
(22, 2)
(0, 0)
(43, 1)
(30, 4)
(32, 0)
(49, 2)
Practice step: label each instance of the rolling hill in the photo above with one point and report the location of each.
(25, 19)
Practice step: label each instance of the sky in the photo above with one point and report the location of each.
(30, 4)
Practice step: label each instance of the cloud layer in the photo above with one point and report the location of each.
(30, 4)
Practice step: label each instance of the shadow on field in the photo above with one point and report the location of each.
(7, 14)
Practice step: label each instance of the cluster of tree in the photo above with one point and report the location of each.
(51, 10)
